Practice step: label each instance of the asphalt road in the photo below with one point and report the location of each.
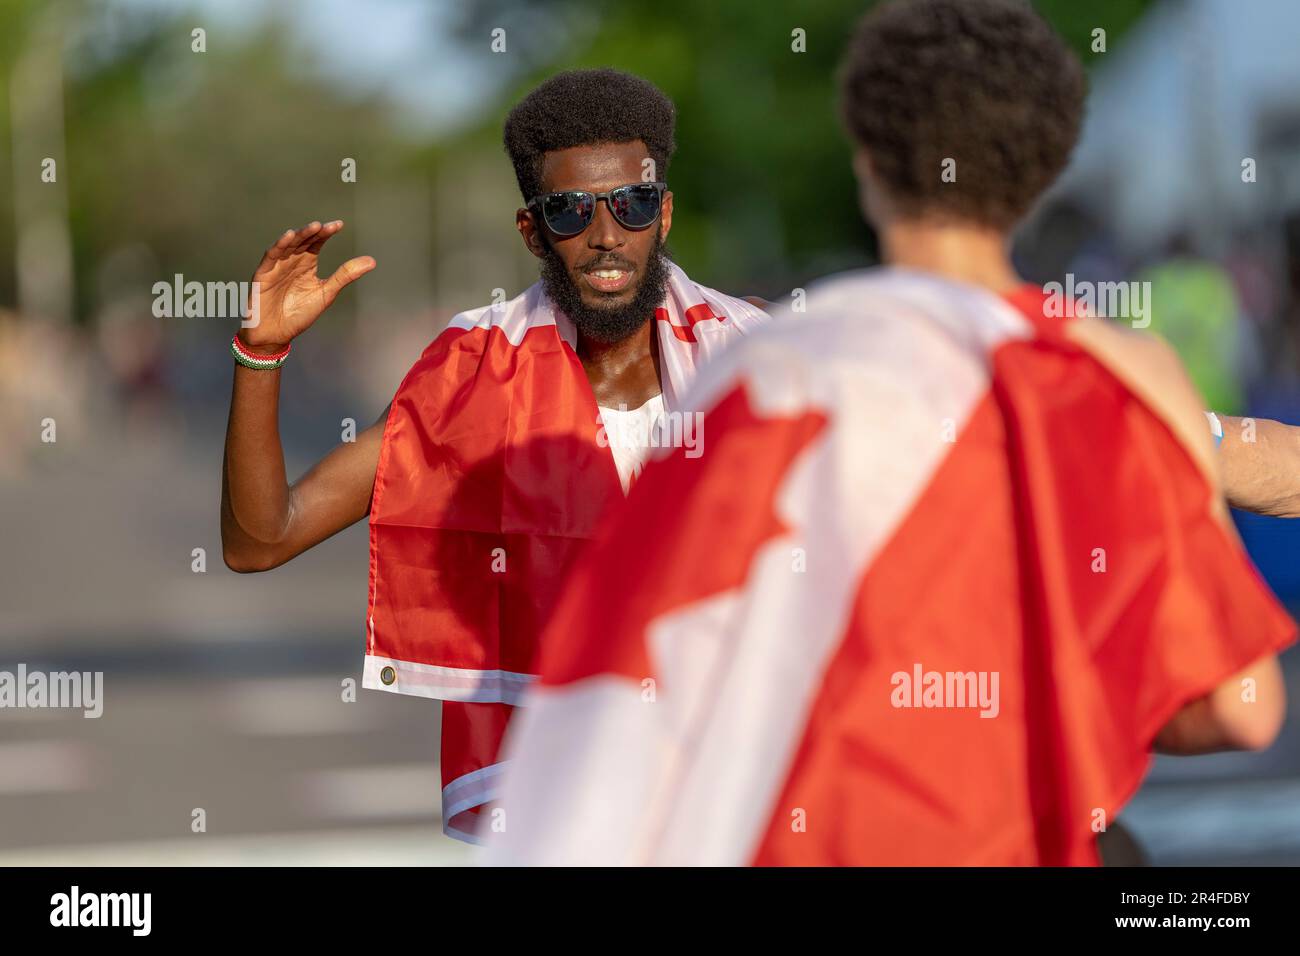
(223, 693)
(287, 771)
(278, 769)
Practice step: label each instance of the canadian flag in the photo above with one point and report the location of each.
(935, 583)
(491, 476)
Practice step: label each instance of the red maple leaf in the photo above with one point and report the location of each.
(689, 530)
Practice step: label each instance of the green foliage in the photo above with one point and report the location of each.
(202, 159)
(764, 194)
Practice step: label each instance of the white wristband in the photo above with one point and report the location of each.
(1216, 428)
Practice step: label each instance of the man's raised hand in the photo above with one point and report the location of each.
(290, 295)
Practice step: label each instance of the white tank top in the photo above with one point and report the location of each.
(630, 436)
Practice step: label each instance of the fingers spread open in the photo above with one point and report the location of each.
(308, 239)
(276, 250)
(327, 230)
(304, 237)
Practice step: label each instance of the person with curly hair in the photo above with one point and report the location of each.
(952, 565)
(962, 114)
(504, 448)
(511, 435)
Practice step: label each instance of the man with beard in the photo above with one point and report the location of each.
(952, 565)
(507, 440)
(501, 449)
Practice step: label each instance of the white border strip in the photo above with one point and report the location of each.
(466, 792)
(446, 683)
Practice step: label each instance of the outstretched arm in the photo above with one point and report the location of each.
(269, 521)
(1261, 465)
(264, 520)
(1226, 718)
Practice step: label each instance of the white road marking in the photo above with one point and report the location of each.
(381, 846)
(381, 792)
(297, 707)
(44, 766)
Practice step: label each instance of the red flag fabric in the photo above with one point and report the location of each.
(927, 597)
(491, 475)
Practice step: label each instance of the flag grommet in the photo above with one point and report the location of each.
(388, 675)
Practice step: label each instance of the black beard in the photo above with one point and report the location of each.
(609, 324)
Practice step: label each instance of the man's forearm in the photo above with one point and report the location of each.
(1261, 465)
(254, 488)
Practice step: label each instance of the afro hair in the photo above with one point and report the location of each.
(986, 83)
(583, 108)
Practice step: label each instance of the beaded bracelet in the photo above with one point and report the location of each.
(253, 360)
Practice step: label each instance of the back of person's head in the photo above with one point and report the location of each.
(985, 84)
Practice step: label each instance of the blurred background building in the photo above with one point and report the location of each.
(135, 148)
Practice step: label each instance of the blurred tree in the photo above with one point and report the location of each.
(765, 198)
(199, 159)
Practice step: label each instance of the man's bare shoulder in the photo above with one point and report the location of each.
(1150, 367)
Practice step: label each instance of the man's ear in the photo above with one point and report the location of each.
(871, 198)
(666, 215)
(862, 165)
(529, 232)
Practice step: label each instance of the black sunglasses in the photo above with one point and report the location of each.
(635, 206)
